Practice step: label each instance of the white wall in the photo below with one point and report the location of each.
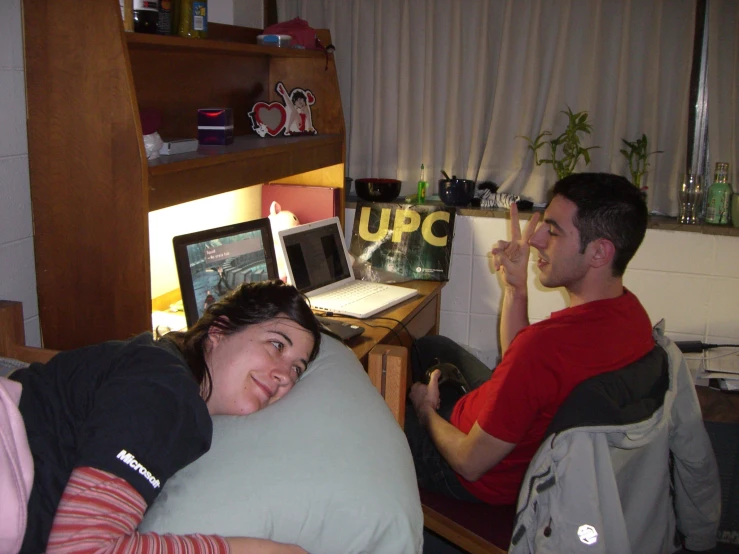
(690, 279)
(245, 13)
(17, 268)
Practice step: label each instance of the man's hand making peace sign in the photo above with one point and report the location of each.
(511, 258)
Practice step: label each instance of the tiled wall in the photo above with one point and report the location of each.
(17, 269)
(690, 279)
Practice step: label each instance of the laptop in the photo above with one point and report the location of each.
(213, 262)
(318, 265)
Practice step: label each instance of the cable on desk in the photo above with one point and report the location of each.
(393, 331)
(365, 322)
(407, 332)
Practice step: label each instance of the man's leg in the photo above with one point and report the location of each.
(432, 471)
(435, 347)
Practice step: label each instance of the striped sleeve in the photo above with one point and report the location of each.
(99, 512)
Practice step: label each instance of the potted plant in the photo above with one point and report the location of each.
(565, 161)
(636, 153)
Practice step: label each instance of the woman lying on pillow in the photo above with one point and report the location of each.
(109, 424)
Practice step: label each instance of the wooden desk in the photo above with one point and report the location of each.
(418, 316)
(719, 406)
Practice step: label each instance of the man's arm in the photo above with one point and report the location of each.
(514, 315)
(511, 259)
(470, 455)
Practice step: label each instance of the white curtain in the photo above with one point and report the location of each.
(723, 85)
(454, 84)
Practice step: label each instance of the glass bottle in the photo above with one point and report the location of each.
(193, 19)
(422, 185)
(164, 25)
(719, 196)
(145, 16)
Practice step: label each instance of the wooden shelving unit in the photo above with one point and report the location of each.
(91, 184)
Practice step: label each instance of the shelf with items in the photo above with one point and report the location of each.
(249, 160)
(215, 46)
(92, 188)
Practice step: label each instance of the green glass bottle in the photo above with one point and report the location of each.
(422, 186)
(719, 196)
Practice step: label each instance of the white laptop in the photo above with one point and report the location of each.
(318, 265)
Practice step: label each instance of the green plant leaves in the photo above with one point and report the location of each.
(569, 140)
(637, 155)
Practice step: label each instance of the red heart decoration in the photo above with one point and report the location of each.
(271, 115)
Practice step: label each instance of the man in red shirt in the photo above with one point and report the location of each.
(478, 447)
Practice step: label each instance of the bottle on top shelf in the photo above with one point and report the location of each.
(145, 16)
(719, 196)
(166, 20)
(127, 15)
(193, 19)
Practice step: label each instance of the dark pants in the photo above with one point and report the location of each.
(432, 470)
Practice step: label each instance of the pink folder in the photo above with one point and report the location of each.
(308, 203)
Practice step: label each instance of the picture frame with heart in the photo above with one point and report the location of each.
(291, 118)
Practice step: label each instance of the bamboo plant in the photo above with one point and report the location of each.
(564, 162)
(637, 153)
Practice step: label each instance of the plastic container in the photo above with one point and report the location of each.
(282, 41)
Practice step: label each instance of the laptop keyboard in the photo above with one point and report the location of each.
(348, 294)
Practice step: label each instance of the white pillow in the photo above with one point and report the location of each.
(327, 468)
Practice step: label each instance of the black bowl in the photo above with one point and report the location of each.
(377, 190)
(456, 192)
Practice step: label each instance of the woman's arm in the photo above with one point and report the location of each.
(99, 512)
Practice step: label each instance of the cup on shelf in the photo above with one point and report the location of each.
(690, 194)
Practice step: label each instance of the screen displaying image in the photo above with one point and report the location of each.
(316, 257)
(213, 262)
(220, 265)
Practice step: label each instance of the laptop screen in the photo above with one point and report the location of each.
(213, 262)
(316, 255)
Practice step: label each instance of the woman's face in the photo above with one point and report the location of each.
(256, 366)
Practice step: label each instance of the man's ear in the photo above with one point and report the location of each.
(603, 252)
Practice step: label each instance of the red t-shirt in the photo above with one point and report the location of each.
(542, 365)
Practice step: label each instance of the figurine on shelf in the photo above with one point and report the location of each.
(297, 106)
(291, 118)
(280, 219)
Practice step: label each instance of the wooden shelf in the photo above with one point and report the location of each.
(158, 43)
(249, 160)
(92, 187)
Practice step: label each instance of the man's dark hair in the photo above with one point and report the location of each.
(608, 207)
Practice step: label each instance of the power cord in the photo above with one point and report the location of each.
(397, 336)
(696, 346)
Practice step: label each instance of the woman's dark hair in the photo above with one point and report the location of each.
(250, 304)
(608, 207)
